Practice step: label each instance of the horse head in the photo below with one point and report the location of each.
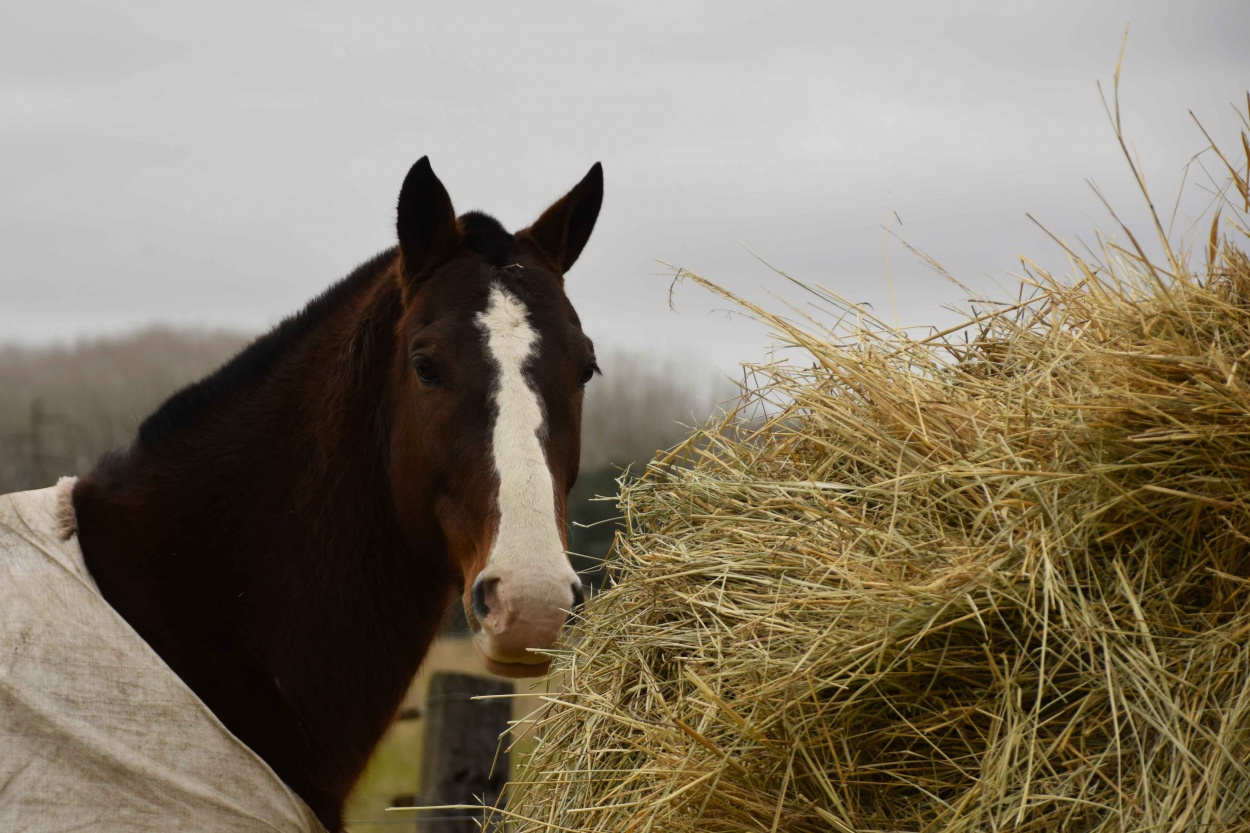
(486, 422)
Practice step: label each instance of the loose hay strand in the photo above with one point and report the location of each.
(994, 578)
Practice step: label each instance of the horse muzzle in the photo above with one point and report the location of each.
(516, 618)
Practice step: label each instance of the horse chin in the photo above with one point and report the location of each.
(513, 670)
(516, 670)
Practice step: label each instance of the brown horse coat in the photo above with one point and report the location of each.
(96, 731)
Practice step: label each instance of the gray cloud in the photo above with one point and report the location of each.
(217, 165)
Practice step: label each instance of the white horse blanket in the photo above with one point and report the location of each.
(96, 731)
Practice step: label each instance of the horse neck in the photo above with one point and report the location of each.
(259, 553)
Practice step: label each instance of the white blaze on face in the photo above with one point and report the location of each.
(528, 576)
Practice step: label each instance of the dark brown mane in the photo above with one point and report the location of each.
(221, 507)
(255, 360)
(484, 235)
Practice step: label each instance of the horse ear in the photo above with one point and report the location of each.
(427, 222)
(563, 229)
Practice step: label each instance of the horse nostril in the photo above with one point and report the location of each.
(579, 595)
(480, 609)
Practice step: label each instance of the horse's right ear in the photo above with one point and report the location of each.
(563, 229)
(427, 222)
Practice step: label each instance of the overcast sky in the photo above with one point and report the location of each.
(219, 164)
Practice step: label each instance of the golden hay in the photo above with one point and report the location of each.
(997, 579)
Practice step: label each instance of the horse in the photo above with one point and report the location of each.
(288, 533)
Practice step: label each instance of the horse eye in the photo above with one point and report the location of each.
(427, 373)
(588, 374)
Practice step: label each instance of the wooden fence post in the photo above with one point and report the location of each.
(459, 748)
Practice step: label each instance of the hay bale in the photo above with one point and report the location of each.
(997, 579)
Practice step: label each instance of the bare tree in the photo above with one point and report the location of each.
(62, 407)
(642, 404)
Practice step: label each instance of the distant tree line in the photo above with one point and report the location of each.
(62, 407)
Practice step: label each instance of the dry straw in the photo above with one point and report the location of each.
(995, 579)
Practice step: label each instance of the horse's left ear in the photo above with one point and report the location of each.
(563, 229)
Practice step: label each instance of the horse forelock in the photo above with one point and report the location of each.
(487, 237)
